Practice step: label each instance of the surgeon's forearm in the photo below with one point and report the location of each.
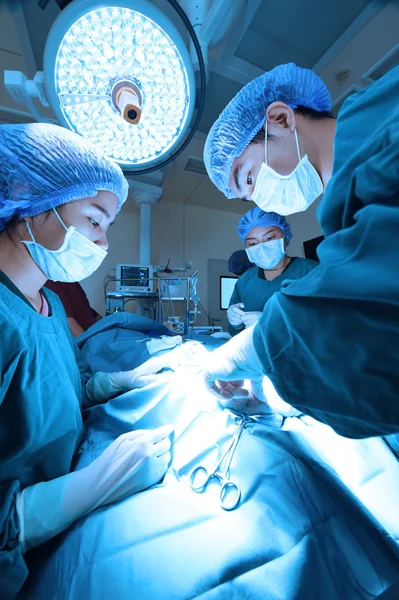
(48, 508)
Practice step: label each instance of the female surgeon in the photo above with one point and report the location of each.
(58, 196)
(266, 237)
(329, 342)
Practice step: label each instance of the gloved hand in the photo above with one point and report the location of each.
(250, 318)
(103, 386)
(133, 462)
(235, 314)
(232, 364)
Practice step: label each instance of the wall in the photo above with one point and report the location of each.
(206, 234)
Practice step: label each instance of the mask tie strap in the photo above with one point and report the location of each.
(60, 220)
(266, 142)
(32, 237)
(297, 145)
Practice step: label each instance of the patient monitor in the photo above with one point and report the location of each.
(134, 279)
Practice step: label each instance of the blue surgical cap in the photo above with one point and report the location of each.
(259, 218)
(43, 166)
(245, 115)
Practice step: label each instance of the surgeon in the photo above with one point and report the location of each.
(266, 237)
(58, 196)
(329, 342)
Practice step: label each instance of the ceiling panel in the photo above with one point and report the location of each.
(268, 50)
(39, 23)
(298, 31)
(9, 38)
(219, 92)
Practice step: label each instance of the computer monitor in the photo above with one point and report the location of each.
(227, 285)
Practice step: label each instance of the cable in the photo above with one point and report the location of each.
(201, 101)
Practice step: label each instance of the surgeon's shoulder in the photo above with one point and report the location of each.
(306, 264)
(11, 333)
(249, 275)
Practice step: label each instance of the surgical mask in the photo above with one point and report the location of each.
(267, 255)
(77, 258)
(287, 194)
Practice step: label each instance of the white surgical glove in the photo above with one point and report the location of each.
(235, 314)
(133, 462)
(103, 386)
(250, 318)
(232, 364)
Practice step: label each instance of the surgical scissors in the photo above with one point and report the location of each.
(230, 490)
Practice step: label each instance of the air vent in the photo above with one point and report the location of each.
(196, 166)
(341, 99)
(390, 60)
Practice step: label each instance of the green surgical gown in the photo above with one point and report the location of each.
(40, 412)
(253, 290)
(330, 341)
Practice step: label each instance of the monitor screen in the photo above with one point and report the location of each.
(134, 278)
(227, 285)
(132, 275)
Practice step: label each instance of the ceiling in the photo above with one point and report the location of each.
(282, 30)
(329, 36)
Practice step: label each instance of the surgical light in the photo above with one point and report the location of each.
(118, 73)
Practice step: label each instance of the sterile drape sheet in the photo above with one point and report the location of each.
(318, 519)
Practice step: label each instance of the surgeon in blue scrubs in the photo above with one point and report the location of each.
(58, 196)
(266, 237)
(329, 342)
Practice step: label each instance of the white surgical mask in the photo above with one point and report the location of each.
(267, 255)
(287, 194)
(77, 258)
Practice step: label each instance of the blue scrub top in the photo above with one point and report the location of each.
(40, 412)
(254, 290)
(330, 341)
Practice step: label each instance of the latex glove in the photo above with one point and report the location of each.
(143, 375)
(250, 318)
(226, 368)
(103, 386)
(133, 462)
(235, 314)
(189, 355)
(270, 403)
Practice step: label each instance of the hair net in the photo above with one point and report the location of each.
(245, 115)
(259, 218)
(43, 166)
(239, 262)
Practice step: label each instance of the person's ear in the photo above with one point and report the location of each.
(279, 113)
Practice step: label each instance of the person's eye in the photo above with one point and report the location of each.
(249, 179)
(93, 223)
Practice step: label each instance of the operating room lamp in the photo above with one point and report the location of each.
(118, 73)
